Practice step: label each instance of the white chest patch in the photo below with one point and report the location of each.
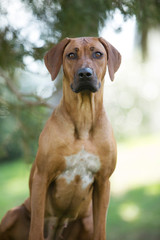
(83, 164)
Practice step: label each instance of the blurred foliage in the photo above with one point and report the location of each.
(21, 122)
(21, 114)
(147, 17)
(72, 18)
(20, 130)
(12, 51)
(60, 18)
(80, 18)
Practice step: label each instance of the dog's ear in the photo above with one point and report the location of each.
(114, 57)
(53, 59)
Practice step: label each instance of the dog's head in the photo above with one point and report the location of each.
(84, 62)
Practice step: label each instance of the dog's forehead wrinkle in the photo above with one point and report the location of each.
(85, 44)
(85, 40)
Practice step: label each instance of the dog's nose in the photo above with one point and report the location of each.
(85, 73)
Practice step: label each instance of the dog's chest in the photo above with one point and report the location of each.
(83, 164)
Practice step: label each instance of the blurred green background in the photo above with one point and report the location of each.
(28, 28)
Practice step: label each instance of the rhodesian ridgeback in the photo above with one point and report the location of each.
(69, 180)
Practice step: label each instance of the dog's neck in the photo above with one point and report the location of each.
(84, 109)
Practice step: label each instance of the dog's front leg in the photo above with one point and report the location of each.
(38, 196)
(100, 204)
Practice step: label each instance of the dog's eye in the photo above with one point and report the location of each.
(97, 54)
(72, 55)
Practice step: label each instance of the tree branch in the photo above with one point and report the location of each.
(21, 96)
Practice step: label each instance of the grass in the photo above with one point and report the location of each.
(14, 185)
(134, 211)
(135, 215)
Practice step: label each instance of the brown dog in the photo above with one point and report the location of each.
(69, 180)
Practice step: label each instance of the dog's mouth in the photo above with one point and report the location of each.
(83, 86)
